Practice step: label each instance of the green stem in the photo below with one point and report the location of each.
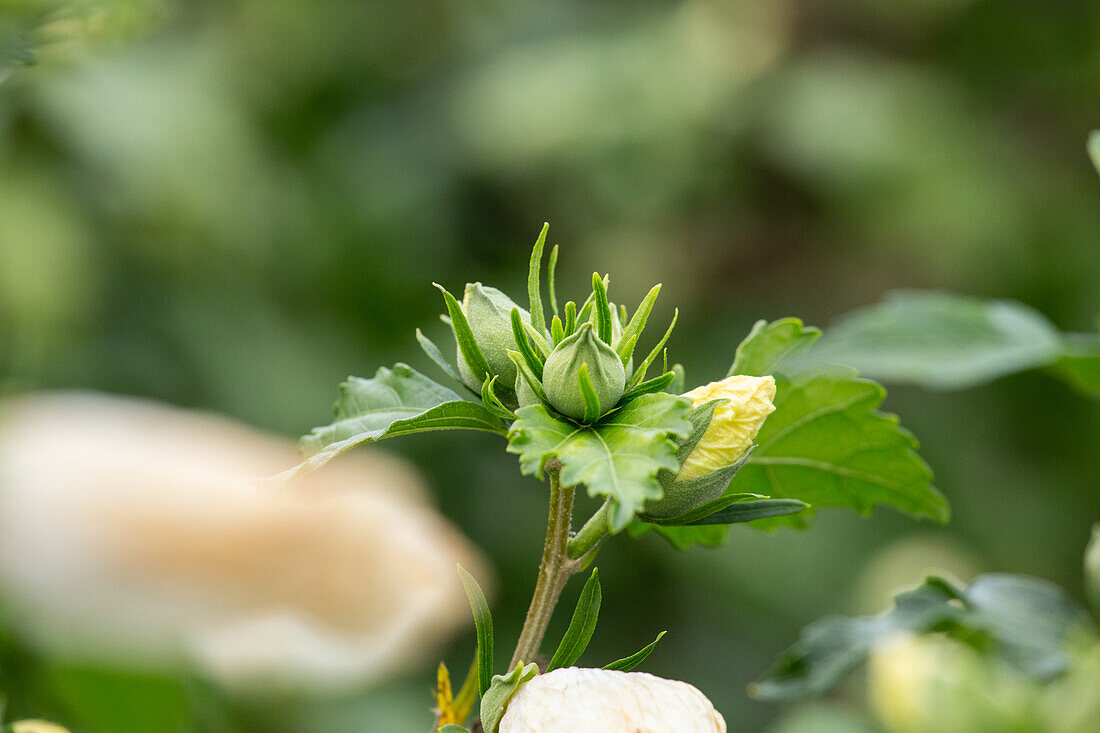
(590, 535)
(554, 571)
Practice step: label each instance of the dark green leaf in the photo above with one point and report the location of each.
(768, 344)
(747, 511)
(494, 702)
(581, 627)
(483, 624)
(626, 664)
(1022, 621)
(395, 401)
(618, 457)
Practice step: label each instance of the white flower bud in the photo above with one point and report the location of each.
(605, 701)
(734, 425)
(133, 533)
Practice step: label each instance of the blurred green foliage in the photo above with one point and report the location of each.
(233, 205)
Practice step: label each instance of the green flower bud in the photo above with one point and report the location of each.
(489, 313)
(524, 394)
(561, 373)
(1092, 568)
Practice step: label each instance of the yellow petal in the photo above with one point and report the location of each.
(748, 402)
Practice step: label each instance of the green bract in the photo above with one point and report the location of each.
(583, 356)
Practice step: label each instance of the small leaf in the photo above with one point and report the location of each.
(494, 702)
(603, 309)
(570, 318)
(557, 330)
(657, 384)
(395, 401)
(483, 624)
(525, 374)
(551, 275)
(633, 330)
(534, 363)
(768, 344)
(581, 627)
(626, 664)
(440, 361)
(467, 344)
(534, 292)
(617, 457)
(492, 403)
(588, 392)
(747, 511)
(639, 373)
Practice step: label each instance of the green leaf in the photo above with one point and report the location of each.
(467, 344)
(628, 663)
(551, 275)
(534, 362)
(570, 318)
(768, 344)
(581, 627)
(747, 511)
(633, 330)
(492, 403)
(440, 361)
(483, 624)
(1022, 621)
(941, 340)
(452, 728)
(617, 457)
(395, 401)
(639, 374)
(657, 384)
(830, 648)
(828, 445)
(1080, 364)
(588, 392)
(494, 702)
(534, 292)
(603, 308)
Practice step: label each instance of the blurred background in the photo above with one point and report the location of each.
(233, 205)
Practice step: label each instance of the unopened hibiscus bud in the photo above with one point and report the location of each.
(1092, 568)
(575, 699)
(561, 374)
(489, 313)
(734, 425)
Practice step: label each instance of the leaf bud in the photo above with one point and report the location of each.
(489, 313)
(561, 374)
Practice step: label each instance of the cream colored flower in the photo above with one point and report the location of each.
(604, 701)
(734, 425)
(36, 726)
(135, 533)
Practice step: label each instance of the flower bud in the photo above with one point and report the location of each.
(561, 373)
(489, 313)
(575, 699)
(1092, 568)
(734, 425)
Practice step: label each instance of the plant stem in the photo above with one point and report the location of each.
(590, 535)
(555, 569)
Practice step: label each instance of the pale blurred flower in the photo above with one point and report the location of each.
(605, 701)
(136, 533)
(748, 402)
(36, 726)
